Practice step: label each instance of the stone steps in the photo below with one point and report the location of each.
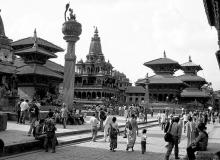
(64, 138)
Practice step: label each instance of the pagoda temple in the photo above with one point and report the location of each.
(193, 93)
(96, 82)
(36, 75)
(163, 86)
(8, 92)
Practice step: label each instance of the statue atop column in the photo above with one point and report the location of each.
(71, 15)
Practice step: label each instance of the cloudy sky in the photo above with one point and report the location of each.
(132, 31)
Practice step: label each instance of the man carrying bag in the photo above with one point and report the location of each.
(173, 138)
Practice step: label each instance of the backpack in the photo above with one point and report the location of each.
(102, 115)
(50, 128)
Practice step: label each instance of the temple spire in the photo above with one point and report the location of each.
(164, 54)
(95, 45)
(35, 38)
(2, 30)
(190, 60)
(96, 30)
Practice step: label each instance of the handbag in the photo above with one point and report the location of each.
(168, 136)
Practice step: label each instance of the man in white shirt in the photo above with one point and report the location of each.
(119, 111)
(24, 107)
(107, 125)
(163, 120)
(185, 119)
(94, 125)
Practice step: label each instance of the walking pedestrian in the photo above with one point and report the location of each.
(64, 114)
(132, 134)
(130, 138)
(175, 132)
(185, 119)
(18, 110)
(24, 107)
(34, 112)
(143, 141)
(102, 117)
(159, 118)
(113, 134)
(107, 125)
(94, 126)
(163, 120)
(190, 131)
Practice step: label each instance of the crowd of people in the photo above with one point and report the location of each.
(192, 123)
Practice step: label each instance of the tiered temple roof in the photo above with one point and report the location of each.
(164, 69)
(194, 81)
(35, 53)
(163, 65)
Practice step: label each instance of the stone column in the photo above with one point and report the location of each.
(71, 30)
(146, 97)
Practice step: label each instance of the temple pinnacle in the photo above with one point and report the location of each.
(2, 30)
(164, 54)
(35, 38)
(190, 60)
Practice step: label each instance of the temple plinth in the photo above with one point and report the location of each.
(71, 30)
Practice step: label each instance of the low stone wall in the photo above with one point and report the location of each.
(3, 121)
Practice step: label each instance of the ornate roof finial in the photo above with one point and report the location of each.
(147, 76)
(2, 30)
(35, 38)
(96, 30)
(164, 54)
(190, 60)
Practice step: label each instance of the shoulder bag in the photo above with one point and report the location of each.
(168, 137)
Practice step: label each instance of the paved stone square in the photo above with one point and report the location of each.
(100, 150)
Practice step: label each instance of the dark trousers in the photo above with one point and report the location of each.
(101, 125)
(143, 147)
(51, 140)
(19, 115)
(163, 125)
(172, 144)
(184, 126)
(190, 152)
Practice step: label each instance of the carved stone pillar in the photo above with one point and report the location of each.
(71, 30)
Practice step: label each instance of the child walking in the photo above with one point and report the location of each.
(143, 141)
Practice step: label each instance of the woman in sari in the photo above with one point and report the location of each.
(190, 131)
(113, 134)
(132, 133)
